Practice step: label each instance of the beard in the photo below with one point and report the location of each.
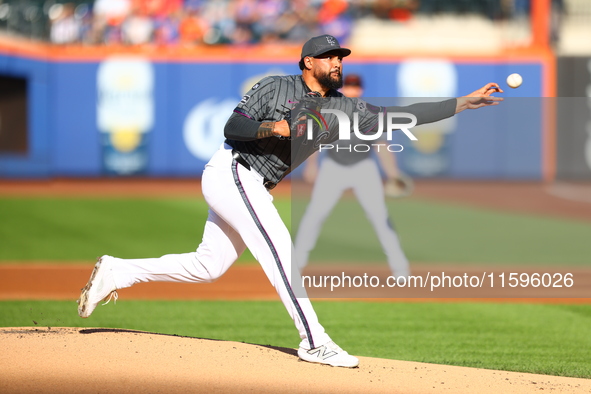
(330, 82)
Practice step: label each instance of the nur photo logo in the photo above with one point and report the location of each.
(387, 122)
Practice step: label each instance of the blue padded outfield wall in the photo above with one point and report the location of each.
(129, 116)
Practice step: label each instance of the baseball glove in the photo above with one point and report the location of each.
(307, 108)
(401, 186)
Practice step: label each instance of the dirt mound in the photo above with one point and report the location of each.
(49, 360)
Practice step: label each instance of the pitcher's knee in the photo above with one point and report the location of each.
(213, 276)
(207, 269)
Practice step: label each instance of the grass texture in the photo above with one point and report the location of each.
(545, 339)
(443, 232)
(82, 229)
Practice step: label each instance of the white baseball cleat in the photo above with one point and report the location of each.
(100, 286)
(329, 353)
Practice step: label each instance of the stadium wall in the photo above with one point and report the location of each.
(130, 114)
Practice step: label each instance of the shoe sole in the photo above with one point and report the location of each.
(83, 300)
(331, 365)
(316, 361)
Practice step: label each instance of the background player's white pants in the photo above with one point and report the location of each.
(332, 181)
(241, 215)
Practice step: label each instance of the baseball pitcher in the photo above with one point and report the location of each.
(263, 143)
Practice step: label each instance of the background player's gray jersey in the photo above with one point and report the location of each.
(345, 153)
(272, 98)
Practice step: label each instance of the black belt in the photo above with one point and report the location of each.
(239, 159)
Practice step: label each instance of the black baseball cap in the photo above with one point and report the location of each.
(316, 46)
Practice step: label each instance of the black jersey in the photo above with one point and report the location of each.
(272, 98)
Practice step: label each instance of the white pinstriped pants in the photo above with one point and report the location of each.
(241, 215)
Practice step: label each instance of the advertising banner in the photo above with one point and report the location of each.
(129, 115)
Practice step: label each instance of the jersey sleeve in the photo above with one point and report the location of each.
(255, 103)
(425, 113)
(429, 112)
(368, 115)
(251, 111)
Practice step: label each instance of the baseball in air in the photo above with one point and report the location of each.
(514, 80)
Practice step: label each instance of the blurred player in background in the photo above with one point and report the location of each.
(345, 169)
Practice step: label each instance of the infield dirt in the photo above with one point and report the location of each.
(71, 360)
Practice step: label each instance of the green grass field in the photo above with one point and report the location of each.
(448, 233)
(549, 339)
(81, 229)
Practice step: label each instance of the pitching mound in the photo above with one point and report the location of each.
(64, 360)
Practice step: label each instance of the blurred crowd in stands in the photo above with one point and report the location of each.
(211, 22)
